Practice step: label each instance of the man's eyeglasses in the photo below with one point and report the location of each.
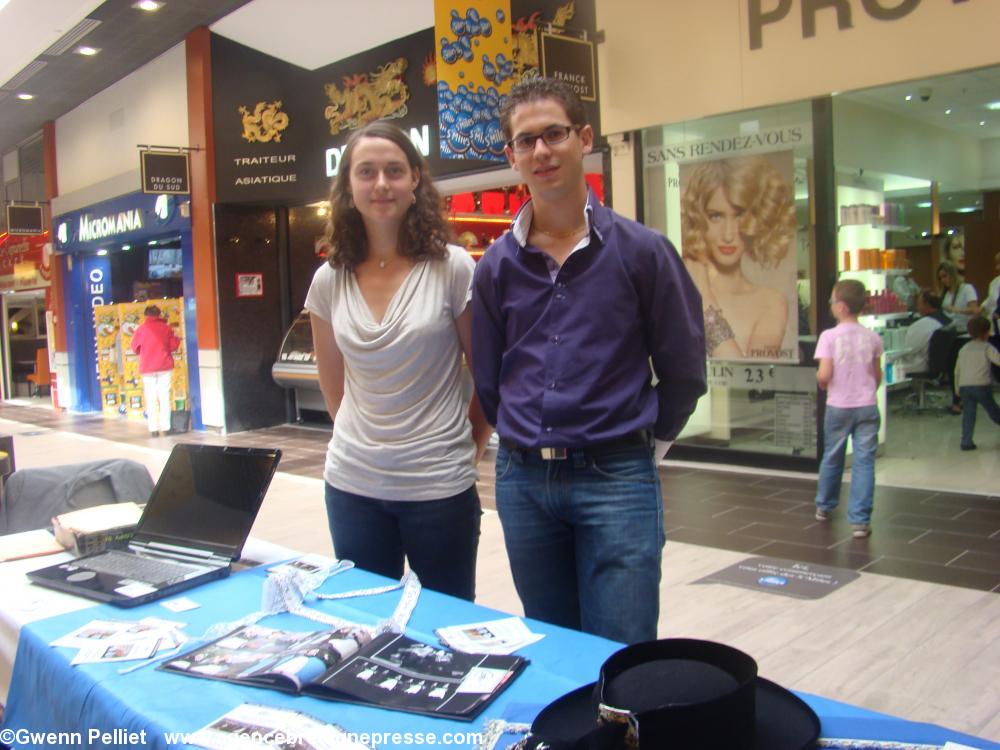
(552, 135)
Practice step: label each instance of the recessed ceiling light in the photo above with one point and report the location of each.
(982, 122)
(126, 247)
(25, 96)
(148, 5)
(948, 111)
(995, 106)
(909, 97)
(87, 51)
(924, 204)
(966, 210)
(102, 251)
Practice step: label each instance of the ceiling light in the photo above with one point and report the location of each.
(909, 97)
(148, 5)
(982, 122)
(87, 51)
(948, 111)
(102, 251)
(924, 204)
(126, 247)
(966, 209)
(995, 106)
(24, 96)
(151, 242)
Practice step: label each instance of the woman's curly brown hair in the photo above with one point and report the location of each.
(753, 184)
(424, 232)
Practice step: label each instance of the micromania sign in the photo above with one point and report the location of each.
(107, 226)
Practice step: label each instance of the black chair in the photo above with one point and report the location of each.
(938, 350)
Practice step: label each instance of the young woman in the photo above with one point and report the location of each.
(960, 302)
(731, 209)
(958, 298)
(391, 322)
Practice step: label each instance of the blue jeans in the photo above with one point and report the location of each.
(440, 538)
(861, 424)
(584, 537)
(972, 397)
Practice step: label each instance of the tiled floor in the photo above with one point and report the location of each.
(912, 648)
(926, 535)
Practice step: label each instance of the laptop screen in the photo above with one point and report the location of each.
(207, 497)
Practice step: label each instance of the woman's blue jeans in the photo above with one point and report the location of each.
(861, 424)
(585, 536)
(440, 538)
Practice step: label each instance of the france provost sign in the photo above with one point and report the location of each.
(571, 61)
(165, 172)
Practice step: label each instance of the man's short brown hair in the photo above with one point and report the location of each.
(537, 89)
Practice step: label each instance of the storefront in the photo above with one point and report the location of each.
(280, 132)
(25, 276)
(116, 258)
(867, 184)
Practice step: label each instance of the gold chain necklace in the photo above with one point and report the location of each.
(557, 236)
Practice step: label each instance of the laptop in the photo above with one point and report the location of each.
(193, 528)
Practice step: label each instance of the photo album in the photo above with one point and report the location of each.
(391, 670)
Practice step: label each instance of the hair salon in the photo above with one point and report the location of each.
(795, 187)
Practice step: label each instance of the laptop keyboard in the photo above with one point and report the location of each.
(137, 568)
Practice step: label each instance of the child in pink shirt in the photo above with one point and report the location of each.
(850, 371)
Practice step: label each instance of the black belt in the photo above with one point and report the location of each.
(631, 440)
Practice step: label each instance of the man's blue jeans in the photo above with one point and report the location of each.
(861, 424)
(584, 537)
(972, 397)
(440, 538)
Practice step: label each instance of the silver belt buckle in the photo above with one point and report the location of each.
(553, 454)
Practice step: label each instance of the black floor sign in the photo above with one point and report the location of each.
(786, 577)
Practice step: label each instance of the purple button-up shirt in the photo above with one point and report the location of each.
(564, 361)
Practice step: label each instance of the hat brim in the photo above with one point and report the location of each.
(782, 720)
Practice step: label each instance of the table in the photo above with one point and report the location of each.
(23, 602)
(96, 696)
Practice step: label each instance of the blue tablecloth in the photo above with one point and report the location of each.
(49, 695)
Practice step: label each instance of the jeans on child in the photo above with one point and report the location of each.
(861, 424)
(972, 397)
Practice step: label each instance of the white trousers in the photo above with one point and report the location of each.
(156, 386)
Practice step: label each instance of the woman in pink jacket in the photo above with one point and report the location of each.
(155, 342)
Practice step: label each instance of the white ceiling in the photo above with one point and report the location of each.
(314, 33)
(966, 94)
(36, 30)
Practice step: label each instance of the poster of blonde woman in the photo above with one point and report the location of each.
(738, 243)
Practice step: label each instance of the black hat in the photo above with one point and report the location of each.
(677, 694)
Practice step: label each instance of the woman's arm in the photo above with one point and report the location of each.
(330, 362)
(964, 302)
(719, 339)
(481, 428)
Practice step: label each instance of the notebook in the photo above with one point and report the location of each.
(193, 528)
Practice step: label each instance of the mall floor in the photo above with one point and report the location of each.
(917, 635)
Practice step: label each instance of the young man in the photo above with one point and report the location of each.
(569, 308)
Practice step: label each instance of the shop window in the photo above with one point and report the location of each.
(732, 193)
